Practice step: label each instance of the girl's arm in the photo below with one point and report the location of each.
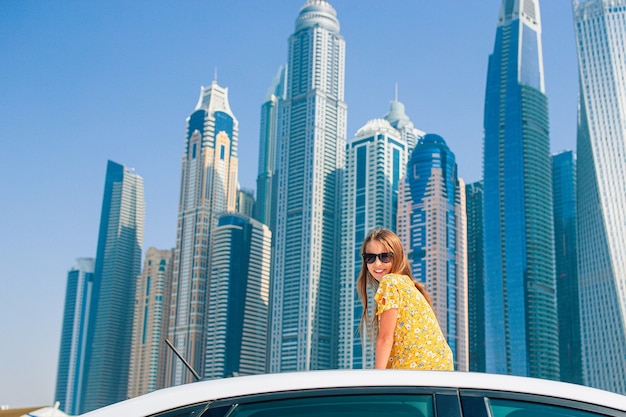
(384, 341)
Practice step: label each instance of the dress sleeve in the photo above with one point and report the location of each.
(387, 295)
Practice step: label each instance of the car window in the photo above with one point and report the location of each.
(188, 411)
(379, 405)
(510, 408)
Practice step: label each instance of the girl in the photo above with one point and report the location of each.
(408, 334)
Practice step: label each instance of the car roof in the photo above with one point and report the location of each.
(215, 389)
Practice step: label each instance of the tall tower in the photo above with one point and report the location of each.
(375, 162)
(118, 262)
(208, 187)
(601, 189)
(475, 276)
(520, 290)
(401, 122)
(150, 323)
(238, 305)
(437, 236)
(565, 256)
(312, 157)
(265, 208)
(73, 336)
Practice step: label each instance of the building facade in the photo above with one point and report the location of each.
(245, 202)
(150, 323)
(566, 259)
(208, 187)
(375, 162)
(520, 298)
(311, 161)
(118, 262)
(600, 28)
(238, 304)
(73, 336)
(265, 208)
(437, 237)
(475, 276)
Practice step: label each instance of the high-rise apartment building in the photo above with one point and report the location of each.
(566, 258)
(375, 162)
(265, 208)
(74, 336)
(434, 200)
(312, 158)
(520, 298)
(118, 262)
(150, 323)
(208, 187)
(403, 124)
(600, 27)
(475, 276)
(238, 303)
(245, 202)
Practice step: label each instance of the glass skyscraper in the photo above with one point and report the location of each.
(520, 290)
(435, 235)
(265, 208)
(565, 255)
(73, 336)
(474, 197)
(150, 323)
(208, 187)
(600, 27)
(238, 303)
(311, 161)
(118, 262)
(375, 162)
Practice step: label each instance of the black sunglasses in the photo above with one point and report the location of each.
(384, 257)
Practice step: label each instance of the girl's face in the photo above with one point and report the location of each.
(378, 268)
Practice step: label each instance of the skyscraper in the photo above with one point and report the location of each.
(208, 187)
(238, 304)
(434, 198)
(118, 262)
(245, 202)
(265, 208)
(601, 190)
(403, 124)
(565, 256)
(375, 162)
(312, 157)
(520, 290)
(475, 276)
(150, 323)
(74, 335)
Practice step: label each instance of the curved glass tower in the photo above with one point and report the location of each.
(111, 306)
(311, 161)
(520, 294)
(435, 214)
(601, 190)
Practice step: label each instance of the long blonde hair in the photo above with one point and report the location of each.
(399, 265)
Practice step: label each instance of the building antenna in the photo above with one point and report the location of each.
(396, 92)
(215, 75)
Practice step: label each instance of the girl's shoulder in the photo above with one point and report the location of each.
(395, 278)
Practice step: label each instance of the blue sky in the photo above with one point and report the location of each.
(82, 82)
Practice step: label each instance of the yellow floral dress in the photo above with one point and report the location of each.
(418, 342)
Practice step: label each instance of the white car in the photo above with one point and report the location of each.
(372, 393)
